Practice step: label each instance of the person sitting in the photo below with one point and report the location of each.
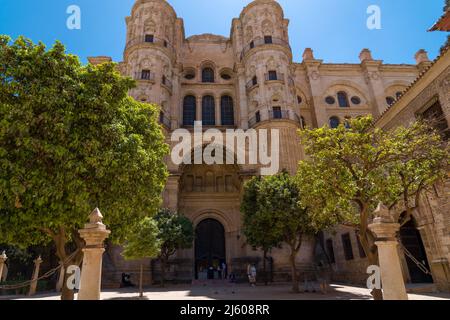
(126, 281)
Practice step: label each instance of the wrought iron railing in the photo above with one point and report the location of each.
(146, 76)
(261, 42)
(165, 81)
(274, 77)
(278, 114)
(164, 120)
(163, 43)
(252, 83)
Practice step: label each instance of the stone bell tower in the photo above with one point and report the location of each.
(150, 55)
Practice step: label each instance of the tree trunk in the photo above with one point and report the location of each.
(265, 268)
(295, 287)
(60, 240)
(163, 272)
(141, 292)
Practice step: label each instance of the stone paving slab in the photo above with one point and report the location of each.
(238, 292)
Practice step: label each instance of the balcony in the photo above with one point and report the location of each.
(167, 83)
(262, 42)
(152, 41)
(144, 76)
(251, 84)
(274, 77)
(279, 114)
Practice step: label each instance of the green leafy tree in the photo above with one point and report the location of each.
(176, 232)
(257, 227)
(277, 201)
(71, 139)
(351, 170)
(143, 243)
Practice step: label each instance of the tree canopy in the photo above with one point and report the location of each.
(71, 140)
(350, 170)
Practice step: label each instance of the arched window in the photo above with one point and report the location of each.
(302, 122)
(189, 110)
(343, 99)
(227, 111)
(334, 122)
(208, 75)
(208, 111)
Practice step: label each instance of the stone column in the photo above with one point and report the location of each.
(198, 111)
(94, 233)
(242, 98)
(385, 229)
(60, 282)
(374, 81)
(218, 109)
(33, 285)
(3, 258)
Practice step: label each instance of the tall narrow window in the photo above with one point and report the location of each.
(255, 80)
(343, 99)
(208, 75)
(189, 110)
(227, 111)
(252, 44)
(149, 38)
(268, 40)
(258, 116)
(272, 75)
(277, 113)
(208, 111)
(330, 250)
(334, 122)
(347, 244)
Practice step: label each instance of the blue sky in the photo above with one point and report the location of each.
(335, 29)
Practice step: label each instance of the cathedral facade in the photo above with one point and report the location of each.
(245, 81)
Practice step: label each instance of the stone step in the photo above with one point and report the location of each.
(418, 288)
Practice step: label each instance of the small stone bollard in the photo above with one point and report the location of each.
(3, 258)
(94, 233)
(385, 229)
(33, 285)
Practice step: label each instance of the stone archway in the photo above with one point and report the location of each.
(412, 241)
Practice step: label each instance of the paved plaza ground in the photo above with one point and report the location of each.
(237, 292)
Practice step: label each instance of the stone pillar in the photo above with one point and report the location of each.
(3, 258)
(374, 81)
(385, 229)
(60, 282)
(314, 81)
(94, 233)
(242, 98)
(218, 109)
(33, 285)
(199, 109)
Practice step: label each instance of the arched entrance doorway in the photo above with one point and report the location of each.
(209, 249)
(412, 241)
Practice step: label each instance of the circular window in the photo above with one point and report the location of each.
(390, 101)
(356, 100)
(225, 76)
(189, 76)
(330, 100)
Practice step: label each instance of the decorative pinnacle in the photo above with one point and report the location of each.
(95, 217)
(38, 260)
(3, 255)
(382, 214)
